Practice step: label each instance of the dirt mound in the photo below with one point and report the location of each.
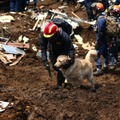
(35, 97)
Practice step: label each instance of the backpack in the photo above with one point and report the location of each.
(113, 27)
(62, 24)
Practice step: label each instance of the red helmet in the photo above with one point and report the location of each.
(116, 8)
(50, 29)
(99, 7)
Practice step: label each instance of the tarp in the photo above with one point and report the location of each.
(13, 50)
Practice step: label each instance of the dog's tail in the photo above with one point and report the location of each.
(91, 55)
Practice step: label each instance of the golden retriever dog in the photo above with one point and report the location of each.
(82, 68)
(91, 55)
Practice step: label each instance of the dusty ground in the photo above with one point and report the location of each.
(28, 86)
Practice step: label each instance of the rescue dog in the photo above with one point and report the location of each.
(80, 69)
(91, 55)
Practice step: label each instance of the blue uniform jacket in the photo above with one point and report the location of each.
(60, 44)
(102, 45)
(101, 30)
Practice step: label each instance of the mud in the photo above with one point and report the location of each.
(35, 96)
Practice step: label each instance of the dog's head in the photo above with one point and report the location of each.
(62, 60)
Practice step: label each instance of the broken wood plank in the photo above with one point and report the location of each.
(40, 17)
(75, 15)
(4, 59)
(17, 61)
(84, 21)
(34, 27)
(10, 56)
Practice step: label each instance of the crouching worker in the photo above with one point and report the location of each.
(58, 42)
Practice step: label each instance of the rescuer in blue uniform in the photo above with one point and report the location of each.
(101, 42)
